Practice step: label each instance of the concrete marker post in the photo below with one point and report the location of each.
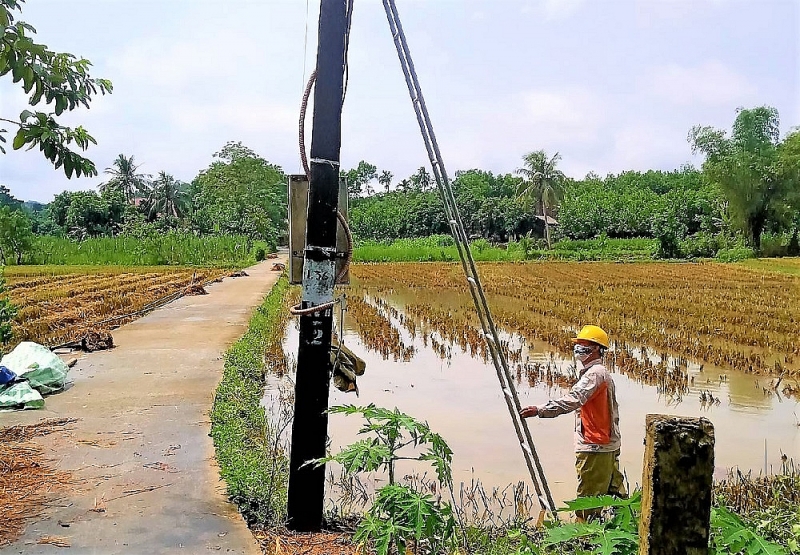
(676, 486)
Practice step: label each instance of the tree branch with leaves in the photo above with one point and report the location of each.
(56, 79)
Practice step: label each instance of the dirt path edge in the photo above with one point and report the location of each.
(148, 481)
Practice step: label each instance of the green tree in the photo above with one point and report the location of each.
(385, 179)
(421, 180)
(167, 198)
(7, 199)
(789, 168)
(746, 165)
(240, 193)
(117, 209)
(86, 216)
(16, 235)
(543, 183)
(37, 212)
(359, 179)
(124, 177)
(57, 211)
(49, 77)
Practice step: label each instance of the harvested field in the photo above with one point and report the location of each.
(730, 316)
(58, 305)
(690, 339)
(28, 481)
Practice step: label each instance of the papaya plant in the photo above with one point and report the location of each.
(400, 516)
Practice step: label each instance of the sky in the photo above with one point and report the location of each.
(611, 85)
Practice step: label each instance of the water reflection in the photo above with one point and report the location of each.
(458, 395)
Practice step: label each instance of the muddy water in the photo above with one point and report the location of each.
(460, 398)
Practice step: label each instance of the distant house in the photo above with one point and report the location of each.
(538, 224)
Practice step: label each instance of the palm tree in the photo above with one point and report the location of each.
(125, 178)
(422, 179)
(542, 183)
(167, 197)
(385, 179)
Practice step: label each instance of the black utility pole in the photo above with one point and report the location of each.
(310, 427)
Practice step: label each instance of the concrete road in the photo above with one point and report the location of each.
(141, 451)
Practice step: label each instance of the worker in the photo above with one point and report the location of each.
(597, 437)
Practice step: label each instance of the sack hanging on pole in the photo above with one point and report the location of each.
(347, 366)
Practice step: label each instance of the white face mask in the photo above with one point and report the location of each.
(582, 352)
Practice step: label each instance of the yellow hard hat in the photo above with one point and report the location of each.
(594, 334)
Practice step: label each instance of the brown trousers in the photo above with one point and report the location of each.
(598, 474)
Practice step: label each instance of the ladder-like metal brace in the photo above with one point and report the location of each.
(468, 263)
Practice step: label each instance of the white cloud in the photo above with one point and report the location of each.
(711, 83)
(553, 9)
(494, 133)
(244, 113)
(189, 65)
(559, 9)
(654, 12)
(648, 145)
(570, 113)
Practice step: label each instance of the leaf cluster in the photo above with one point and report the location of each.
(392, 430)
(404, 517)
(619, 535)
(57, 79)
(616, 536)
(731, 535)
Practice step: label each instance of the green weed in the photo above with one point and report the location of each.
(440, 248)
(173, 248)
(619, 535)
(252, 460)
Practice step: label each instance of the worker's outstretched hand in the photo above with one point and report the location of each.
(528, 412)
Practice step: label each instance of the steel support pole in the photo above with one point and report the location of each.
(310, 426)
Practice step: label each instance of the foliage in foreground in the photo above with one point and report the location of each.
(400, 516)
(403, 518)
(51, 78)
(619, 535)
(770, 505)
(252, 461)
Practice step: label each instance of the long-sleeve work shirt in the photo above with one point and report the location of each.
(594, 401)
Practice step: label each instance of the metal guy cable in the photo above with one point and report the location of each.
(468, 263)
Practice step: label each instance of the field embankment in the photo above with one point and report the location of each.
(789, 266)
(441, 248)
(250, 452)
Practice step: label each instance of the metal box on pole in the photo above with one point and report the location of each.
(298, 216)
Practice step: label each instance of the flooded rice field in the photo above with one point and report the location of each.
(419, 338)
